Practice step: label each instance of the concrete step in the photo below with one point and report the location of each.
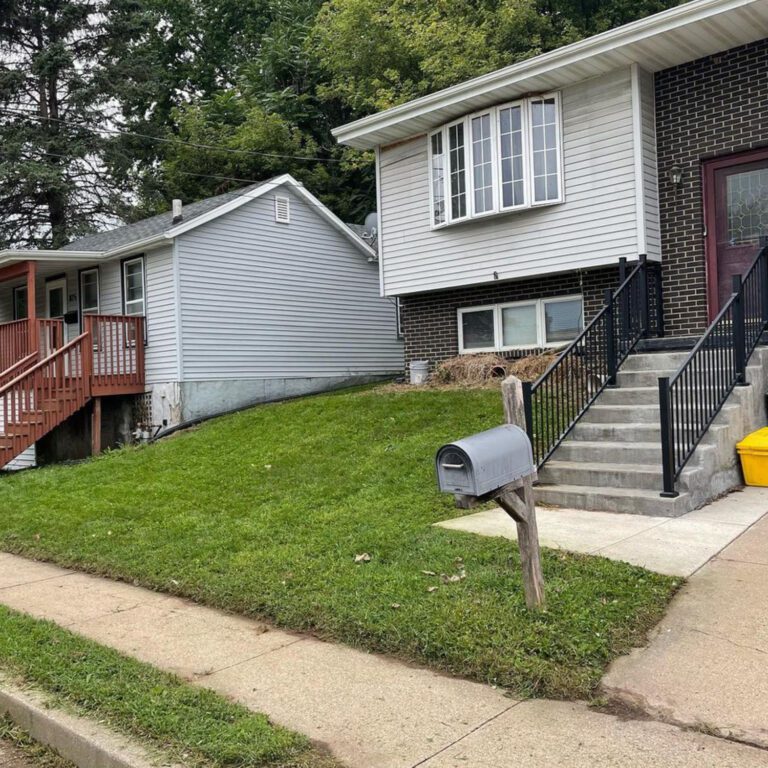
(630, 500)
(606, 452)
(602, 475)
(629, 396)
(625, 378)
(631, 432)
(655, 361)
(622, 414)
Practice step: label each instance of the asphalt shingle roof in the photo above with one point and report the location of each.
(154, 225)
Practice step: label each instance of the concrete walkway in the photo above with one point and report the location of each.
(677, 546)
(707, 665)
(372, 712)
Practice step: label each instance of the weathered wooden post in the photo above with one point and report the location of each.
(498, 465)
(518, 502)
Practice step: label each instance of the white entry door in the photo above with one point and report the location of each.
(56, 298)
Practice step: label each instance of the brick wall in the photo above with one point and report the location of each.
(429, 320)
(707, 108)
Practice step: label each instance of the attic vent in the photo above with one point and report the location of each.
(283, 210)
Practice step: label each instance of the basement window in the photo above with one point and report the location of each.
(520, 325)
(502, 159)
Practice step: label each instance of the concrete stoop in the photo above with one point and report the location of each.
(611, 461)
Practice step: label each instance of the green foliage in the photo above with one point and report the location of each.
(56, 87)
(263, 513)
(191, 725)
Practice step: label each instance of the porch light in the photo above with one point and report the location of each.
(676, 176)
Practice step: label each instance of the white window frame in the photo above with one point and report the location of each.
(468, 187)
(558, 300)
(57, 283)
(528, 186)
(466, 310)
(541, 324)
(133, 260)
(83, 308)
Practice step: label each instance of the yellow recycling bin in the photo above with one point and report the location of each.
(753, 450)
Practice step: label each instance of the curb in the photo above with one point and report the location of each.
(82, 741)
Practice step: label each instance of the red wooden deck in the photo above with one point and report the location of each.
(43, 381)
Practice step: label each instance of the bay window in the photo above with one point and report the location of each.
(520, 325)
(501, 159)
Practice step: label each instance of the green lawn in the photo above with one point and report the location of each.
(263, 513)
(187, 725)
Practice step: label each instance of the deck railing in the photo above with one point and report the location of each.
(556, 401)
(118, 351)
(690, 400)
(21, 338)
(42, 397)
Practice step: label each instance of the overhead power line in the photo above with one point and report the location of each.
(165, 140)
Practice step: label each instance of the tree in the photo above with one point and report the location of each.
(57, 91)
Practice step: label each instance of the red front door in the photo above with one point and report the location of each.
(736, 200)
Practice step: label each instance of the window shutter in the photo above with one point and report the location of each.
(282, 210)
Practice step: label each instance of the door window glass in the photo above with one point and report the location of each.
(747, 205)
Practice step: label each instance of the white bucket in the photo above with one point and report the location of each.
(419, 372)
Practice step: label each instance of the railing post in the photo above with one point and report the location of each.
(610, 338)
(738, 330)
(764, 284)
(659, 302)
(624, 308)
(667, 439)
(528, 410)
(645, 317)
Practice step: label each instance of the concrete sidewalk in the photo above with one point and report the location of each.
(371, 711)
(707, 665)
(677, 546)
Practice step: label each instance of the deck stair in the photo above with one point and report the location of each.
(611, 461)
(43, 386)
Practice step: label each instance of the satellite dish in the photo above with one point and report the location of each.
(372, 225)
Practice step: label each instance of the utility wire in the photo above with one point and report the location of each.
(199, 175)
(163, 140)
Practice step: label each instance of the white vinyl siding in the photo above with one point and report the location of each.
(261, 300)
(650, 188)
(161, 352)
(593, 227)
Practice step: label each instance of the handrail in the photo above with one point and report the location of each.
(691, 398)
(44, 396)
(43, 363)
(11, 373)
(557, 400)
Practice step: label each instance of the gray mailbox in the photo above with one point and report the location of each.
(483, 463)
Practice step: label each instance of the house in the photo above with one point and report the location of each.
(508, 202)
(246, 297)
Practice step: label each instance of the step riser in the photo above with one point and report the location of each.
(626, 378)
(620, 396)
(662, 361)
(605, 414)
(591, 475)
(619, 433)
(611, 453)
(596, 499)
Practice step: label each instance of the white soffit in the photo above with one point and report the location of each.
(684, 33)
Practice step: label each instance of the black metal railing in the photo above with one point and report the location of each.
(690, 400)
(556, 401)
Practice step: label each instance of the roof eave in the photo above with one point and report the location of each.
(361, 134)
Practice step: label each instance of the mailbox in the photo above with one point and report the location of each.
(478, 465)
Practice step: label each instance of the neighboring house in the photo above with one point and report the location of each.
(247, 297)
(506, 201)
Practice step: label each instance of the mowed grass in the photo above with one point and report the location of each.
(263, 513)
(187, 725)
